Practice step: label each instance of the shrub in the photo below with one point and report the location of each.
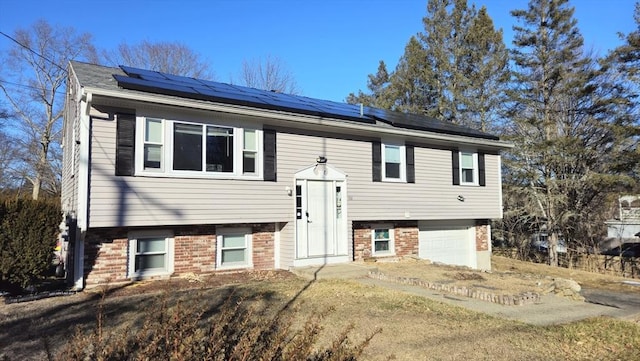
(28, 231)
(236, 332)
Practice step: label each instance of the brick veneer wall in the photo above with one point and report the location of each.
(263, 240)
(106, 251)
(105, 256)
(405, 238)
(361, 241)
(194, 250)
(482, 236)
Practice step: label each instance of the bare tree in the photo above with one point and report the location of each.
(167, 57)
(270, 73)
(32, 81)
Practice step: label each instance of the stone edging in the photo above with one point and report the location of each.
(525, 298)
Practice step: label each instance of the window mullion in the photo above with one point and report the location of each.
(170, 145)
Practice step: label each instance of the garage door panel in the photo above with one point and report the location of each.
(448, 242)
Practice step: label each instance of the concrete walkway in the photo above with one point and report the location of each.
(549, 311)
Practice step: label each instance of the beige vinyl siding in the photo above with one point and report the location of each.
(71, 152)
(148, 201)
(287, 245)
(433, 196)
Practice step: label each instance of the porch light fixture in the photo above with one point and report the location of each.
(321, 159)
(461, 198)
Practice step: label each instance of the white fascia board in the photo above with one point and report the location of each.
(289, 117)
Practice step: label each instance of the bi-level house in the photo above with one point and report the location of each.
(166, 175)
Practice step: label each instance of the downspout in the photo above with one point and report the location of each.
(83, 187)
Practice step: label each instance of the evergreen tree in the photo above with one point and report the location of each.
(570, 125)
(626, 58)
(407, 90)
(454, 70)
(487, 66)
(377, 84)
(623, 65)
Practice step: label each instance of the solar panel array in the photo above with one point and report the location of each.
(191, 88)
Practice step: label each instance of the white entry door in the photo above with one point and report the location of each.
(321, 218)
(320, 222)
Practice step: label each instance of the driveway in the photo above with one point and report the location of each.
(626, 304)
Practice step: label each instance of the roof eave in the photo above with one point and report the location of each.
(292, 117)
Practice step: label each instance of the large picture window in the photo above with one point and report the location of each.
(219, 149)
(189, 149)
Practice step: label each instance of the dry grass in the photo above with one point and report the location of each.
(506, 265)
(413, 328)
(508, 276)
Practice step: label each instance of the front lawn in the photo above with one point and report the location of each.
(413, 328)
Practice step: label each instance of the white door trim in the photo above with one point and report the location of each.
(334, 209)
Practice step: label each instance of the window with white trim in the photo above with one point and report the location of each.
(191, 149)
(468, 168)
(394, 164)
(150, 253)
(153, 144)
(234, 248)
(382, 240)
(250, 151)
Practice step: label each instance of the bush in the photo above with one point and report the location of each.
(28, 232)
(182, 331)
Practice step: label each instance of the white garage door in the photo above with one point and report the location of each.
(449, 242)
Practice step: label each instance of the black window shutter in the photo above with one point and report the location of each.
(481, 173)
(125, 144)
(455, 169)
(270, 166)
(411, 170)
(376, 150)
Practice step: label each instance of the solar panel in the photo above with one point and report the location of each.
(160, 83)
(139, 73)
(420, 122)
(161, 87)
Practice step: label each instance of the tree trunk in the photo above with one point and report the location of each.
(37, 183)
(552, 243)
(41, 167)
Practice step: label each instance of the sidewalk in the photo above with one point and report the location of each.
(549, 311)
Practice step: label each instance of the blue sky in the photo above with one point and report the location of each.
(329, 45)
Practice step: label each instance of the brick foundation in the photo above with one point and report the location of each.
(482, 236)
(194, 251)
(263, 240)
(105, 256)
(406, 238)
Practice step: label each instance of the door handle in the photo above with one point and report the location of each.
(307, 214)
